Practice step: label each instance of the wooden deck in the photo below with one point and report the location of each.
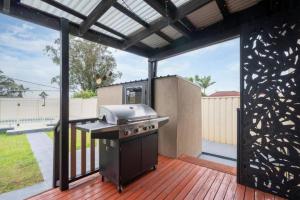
(183, 178)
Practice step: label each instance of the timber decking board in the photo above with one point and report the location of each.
(180, 178)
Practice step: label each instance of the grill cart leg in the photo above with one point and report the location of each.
(154, 167)
(102, 178)
(120, 188)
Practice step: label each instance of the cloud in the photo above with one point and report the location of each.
(132, 67)
(39, 69)
(169, 67)
(26, 45)
(213, 48)
(24, 37)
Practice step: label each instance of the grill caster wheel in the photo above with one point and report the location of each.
(154, 167)
(102, 178)
(120, 188)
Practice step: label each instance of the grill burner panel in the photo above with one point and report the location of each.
(128, 141)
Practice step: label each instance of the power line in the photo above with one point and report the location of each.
(40, 84)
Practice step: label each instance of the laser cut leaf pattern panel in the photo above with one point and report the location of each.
(270, 73)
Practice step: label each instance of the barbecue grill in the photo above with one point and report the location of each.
(128, 141)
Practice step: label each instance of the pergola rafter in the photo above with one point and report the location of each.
(168, 10)
(223, 7)
(100, 9)
(139, 20)
(184, 10)
(83, 17)
(133, 42)
(42, 18)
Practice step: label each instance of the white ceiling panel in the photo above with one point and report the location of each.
(154, 41)
(179, 3)
(206, 15)
(141, 9)
(120, 22)
(83, 7)
(238, 5)
(171, 32)
(51, 10)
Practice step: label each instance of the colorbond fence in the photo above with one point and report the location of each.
(25, 110)
(219, 119)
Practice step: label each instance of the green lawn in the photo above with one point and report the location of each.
(18, 167)
(78, 138)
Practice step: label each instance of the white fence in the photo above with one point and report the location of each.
(33, 110)
(219, 119)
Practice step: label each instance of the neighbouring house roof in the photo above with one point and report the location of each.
(225, 94)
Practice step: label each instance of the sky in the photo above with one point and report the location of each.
(22, 58)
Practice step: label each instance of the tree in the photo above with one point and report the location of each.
(88, 61)
(204, 82)
(9, 88)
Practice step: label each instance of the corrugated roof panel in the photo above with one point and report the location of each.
(238, 5)
(154, 41)
(178, 3)
(96, 28)
(120, 22)
(50, 9)
(206, 15)
(141, 9)
(83, 7)
(171, 32)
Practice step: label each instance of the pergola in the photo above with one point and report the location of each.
(159, 29)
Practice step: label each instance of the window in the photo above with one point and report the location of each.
(134, 95)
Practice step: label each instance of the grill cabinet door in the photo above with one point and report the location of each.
(149, 151)
(109, 159)
(130, 155)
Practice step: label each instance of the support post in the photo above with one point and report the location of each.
(152, 72)
(56, 155)
(6, 6)
(64, 105)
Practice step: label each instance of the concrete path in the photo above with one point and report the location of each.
(226, 150)
(42, 148)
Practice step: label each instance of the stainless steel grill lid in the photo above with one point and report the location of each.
(120, 114)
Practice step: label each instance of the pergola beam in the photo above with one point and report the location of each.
(219, 32)
(139, 20)
(182, 12)
(223, 8)
(92, 18)
(45, 19)
(81, 16)
(130, 14)
(168, 10)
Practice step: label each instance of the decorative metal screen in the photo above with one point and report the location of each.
(270, 107)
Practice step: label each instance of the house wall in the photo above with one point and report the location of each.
(181, 101)
(111, 95)
(166, 93)
(189, 127)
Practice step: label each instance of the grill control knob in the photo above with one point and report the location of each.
(126, 133)
(136, 130)
(145, 128)
(153, 126)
